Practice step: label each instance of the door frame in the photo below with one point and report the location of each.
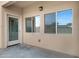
(6, 28)
(16, 41)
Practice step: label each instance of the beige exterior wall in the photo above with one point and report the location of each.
(66, 43)
(1, 25)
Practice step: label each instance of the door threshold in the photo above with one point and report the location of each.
(14, 45)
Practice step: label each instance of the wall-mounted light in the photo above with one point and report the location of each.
(41, 8)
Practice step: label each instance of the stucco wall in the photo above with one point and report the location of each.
(66, 43)
(1, 25)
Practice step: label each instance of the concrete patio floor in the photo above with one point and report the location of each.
(21, 51)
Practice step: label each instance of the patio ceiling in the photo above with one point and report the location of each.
(23, 4)
(20, 4)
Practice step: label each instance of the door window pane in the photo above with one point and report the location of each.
(64, 21)
(13, 28)
(50, 23)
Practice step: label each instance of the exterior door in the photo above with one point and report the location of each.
(13, 30)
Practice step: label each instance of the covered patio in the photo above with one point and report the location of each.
(18, 26)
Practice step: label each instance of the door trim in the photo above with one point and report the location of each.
(6, 32)
(15, 41)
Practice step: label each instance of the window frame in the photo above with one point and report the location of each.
(26, 25)
(40, 23)
(32, 23)
(44, 22)
(71, 17)
(56, 20)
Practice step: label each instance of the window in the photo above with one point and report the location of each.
(59, 22)
(28, 25)
(50, 23)
(37, 24)
(64, 21)
(33, 24)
